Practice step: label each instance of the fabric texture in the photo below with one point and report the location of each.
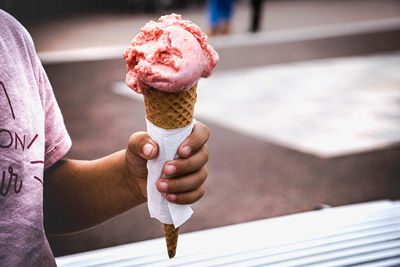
(32, 138)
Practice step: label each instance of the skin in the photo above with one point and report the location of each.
(80, 194)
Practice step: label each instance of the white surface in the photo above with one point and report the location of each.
(168, 142)
(327, 107)
(355, 234)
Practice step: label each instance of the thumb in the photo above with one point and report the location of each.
(142, 145)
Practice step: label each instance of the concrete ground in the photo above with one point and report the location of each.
(250, 178)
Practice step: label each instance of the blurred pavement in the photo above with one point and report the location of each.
(250, 177)
(117, 29)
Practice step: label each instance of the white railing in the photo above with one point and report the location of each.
(366, 234)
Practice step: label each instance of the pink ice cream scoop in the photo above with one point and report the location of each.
(169, 55)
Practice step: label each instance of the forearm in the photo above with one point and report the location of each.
(80, 194)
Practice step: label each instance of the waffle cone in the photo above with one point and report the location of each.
(170, 110)
(171, 237)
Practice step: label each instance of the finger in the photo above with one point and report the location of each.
(142, 145)
(183, 184)
(187, 197)
(183, 166)
(195, 141)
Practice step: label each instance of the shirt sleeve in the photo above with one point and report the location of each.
(58, 141)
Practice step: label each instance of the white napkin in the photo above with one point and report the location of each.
(168, 142)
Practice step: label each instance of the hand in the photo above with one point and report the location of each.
(185, 177)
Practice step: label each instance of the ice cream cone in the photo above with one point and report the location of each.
(171, 237)
(170, 111)
(164, 63)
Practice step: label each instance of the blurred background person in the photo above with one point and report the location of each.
(220, 14)
(256, 15)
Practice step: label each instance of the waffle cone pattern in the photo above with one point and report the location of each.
(170, 110)
(171, 237)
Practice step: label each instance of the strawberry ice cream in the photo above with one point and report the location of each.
(169, 55)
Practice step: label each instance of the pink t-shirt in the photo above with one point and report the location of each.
(32, 138)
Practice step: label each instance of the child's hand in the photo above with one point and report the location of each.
(185, 176)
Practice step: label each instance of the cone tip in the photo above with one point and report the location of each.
(171, 253)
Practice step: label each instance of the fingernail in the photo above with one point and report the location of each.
(170, 169)
(163, 186)
(186, 150)
(147, 148)
(171, 197)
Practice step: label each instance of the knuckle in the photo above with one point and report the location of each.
(138, 136)
(201, 177)
(135, 139)
(196, 141)
(197, 180)
(199, 194)
(204, 129)
(205, 153)
(202, 133)
(204, 172)
(193, 164)
(202, 192)
(207, 132)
